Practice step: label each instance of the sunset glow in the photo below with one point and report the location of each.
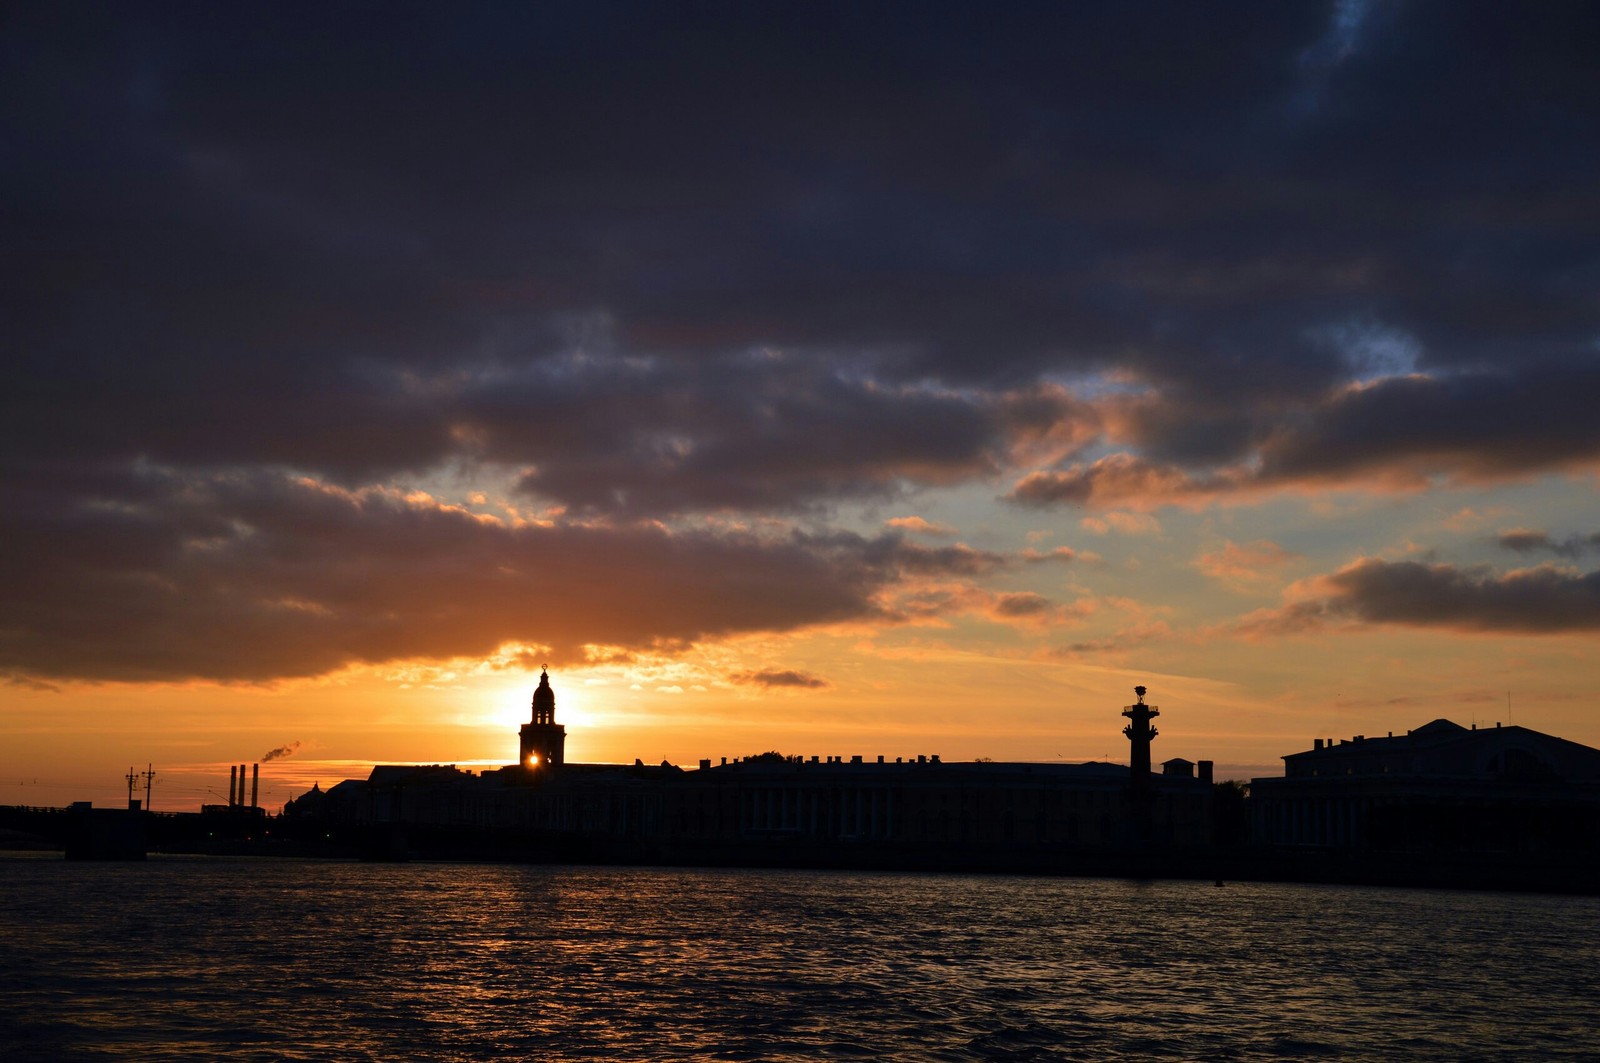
(901, 382)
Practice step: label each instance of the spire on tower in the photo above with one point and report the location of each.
(544, 700)
(543, 741)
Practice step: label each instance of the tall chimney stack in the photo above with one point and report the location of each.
(233, 783)
(255, 783)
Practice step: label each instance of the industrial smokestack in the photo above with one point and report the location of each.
(241, 786)
(233, 775)
(255, 783)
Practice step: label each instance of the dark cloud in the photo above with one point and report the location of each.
(915, 559)
(1121, 478)
(770, 678)
(1536, 601)
(761, 432)
(28, 683)
(157, 575)
(754, 261)
(1526, 541)
(1021, 604)
(1468, 425)
(273, 215)
(1542, 599)
(1397, 433)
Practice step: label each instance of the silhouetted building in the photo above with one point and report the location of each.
(105, 833)
(815, 810)
(1438, 787)
(928, 803)
(543, 741)
(311, 804)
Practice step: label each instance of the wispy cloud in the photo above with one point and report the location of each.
(1246, 565)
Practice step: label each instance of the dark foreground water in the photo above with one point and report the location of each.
(205, 959)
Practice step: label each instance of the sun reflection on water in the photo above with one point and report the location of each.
(329, 960)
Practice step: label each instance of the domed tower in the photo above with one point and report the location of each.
(544, 741)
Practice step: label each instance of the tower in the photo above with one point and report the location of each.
(1140, 734)
(543, 741)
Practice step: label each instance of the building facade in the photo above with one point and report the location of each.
(1437, 787)
(542, 743)
(770, 804)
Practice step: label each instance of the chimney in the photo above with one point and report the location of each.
(255, 783)
(233, 784)
(1205, 771)
(1316, 743)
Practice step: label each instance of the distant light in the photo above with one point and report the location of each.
(533, 760)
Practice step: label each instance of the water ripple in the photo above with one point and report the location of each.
(287, 960)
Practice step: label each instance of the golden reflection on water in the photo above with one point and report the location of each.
(320, 961)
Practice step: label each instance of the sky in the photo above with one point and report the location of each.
(836, 379)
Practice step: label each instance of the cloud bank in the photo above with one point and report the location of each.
(692, 289)
(163, 576)
(1543, 600)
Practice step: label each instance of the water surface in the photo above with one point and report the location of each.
(272, 959)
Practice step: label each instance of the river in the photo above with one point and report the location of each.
(306, 960)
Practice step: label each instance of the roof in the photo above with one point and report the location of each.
(1443, 747)
(399, 774)
(1440, 726)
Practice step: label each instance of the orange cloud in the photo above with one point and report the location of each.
(264, 576)
(920, 526)
(1122, 523)
(1245, 565)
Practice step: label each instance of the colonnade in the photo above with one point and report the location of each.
(1323, 821)
(869, 812)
